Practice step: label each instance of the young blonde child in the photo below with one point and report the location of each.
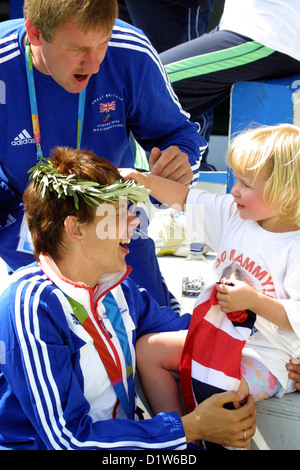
(256, 229)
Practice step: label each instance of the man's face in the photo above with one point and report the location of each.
(72, 56)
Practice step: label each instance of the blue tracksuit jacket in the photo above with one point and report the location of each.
(54, 390)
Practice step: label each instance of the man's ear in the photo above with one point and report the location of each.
(73, 229)
(33, 33)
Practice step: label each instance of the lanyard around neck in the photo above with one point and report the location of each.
(126, 399)
(115, 317)
(34, 108)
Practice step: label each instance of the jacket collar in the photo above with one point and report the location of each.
(78, 290)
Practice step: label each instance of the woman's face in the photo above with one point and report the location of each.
(105, 238)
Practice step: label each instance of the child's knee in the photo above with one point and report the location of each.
(243, 388)
(260, 381)
(161, 349)
(244, 391)
(144, 349)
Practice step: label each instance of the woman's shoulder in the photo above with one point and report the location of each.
(26, 282)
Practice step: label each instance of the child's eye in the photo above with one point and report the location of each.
(244, 184)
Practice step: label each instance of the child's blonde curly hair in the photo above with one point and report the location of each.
(274, 153)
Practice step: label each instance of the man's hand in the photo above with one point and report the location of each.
(172, 164)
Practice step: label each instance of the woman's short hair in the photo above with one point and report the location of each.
(45, 216)
(49, 15)
(274, 153)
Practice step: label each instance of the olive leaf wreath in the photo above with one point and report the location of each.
(45, 176)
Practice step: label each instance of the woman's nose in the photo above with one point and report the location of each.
(127, 224)
(133, 223)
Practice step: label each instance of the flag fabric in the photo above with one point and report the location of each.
(212, 353)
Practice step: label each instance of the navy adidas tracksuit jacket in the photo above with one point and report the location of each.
(54, 390)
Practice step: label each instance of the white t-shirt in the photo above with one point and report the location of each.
(273, 23)
(268, 261)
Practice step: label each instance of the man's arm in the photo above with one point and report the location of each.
(158, 121)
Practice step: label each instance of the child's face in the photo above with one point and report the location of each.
(248, 196)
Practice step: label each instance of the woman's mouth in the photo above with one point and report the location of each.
(123, 245)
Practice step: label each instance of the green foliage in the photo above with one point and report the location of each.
(46, 178)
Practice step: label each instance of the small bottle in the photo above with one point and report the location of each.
(195, 270)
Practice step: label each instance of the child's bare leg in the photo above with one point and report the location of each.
(158, 354)
(257, 380)
(243, 390)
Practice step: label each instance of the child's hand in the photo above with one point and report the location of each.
(130, 174)
(165, 190)
(233, 298)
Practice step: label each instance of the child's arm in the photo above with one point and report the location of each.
(241, 296)
(164, 190)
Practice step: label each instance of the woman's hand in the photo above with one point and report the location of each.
(212, 422)
(293, 368)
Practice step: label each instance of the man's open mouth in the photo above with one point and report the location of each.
(80, 77)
